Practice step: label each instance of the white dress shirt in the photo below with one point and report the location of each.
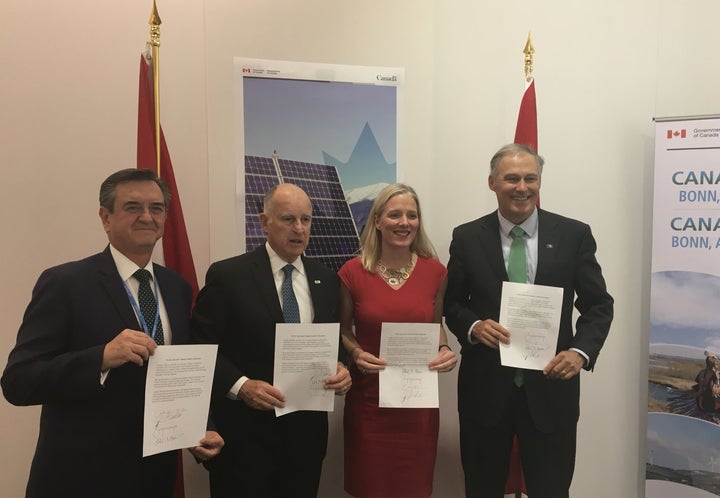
(530, 226)
(126, 268)
(301, 288)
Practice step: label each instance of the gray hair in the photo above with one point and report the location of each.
(514, 150)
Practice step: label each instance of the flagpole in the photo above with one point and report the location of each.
(154, 43)
(525, 134)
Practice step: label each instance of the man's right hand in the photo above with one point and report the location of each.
(490, 333)
(260, 395)
(128, 346)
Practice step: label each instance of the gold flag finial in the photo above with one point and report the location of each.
(154, 23)
(154, 45)
(529, 51)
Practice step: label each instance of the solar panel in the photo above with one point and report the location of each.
(332, 208)
(334, 238)
(308, 171)
(259, 166)
(258, 184)
(253, 204)
(329, 246)
(253, 243)
(333, 226)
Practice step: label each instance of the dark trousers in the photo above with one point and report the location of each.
(276, 458)
(158, 475)
(548, 459)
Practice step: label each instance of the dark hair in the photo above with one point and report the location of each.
(514, 150)
(109, 186)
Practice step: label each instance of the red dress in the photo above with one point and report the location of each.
(389, 452)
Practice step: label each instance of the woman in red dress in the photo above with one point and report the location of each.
(390, 452)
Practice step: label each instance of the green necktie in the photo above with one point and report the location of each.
(517, 272)
(517, 263)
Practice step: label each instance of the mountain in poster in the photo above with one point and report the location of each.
(361, 200)
(366, 165)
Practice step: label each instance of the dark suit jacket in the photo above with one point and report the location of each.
(90, 441)
(238, 309)
(476, 271)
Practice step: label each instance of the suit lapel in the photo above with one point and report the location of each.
(548, 239)
(109, 280)
(265, 283)
(174, 306)
(489, 237)
(316, 286)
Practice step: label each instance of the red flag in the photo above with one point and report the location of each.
(525, 134)
(176, 246)
(515, 483)
(526, 129)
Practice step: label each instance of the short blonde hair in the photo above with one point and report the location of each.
(370, 238)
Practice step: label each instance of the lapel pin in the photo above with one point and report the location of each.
(316, 282)
(548, 246)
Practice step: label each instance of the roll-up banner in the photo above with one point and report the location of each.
(683, 428)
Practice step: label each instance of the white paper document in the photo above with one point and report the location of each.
(177, 396)
(305, 355)
(532, 315)
(407, 382)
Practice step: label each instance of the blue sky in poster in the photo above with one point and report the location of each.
(684, 309)
(302, 119)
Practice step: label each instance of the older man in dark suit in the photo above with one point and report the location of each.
(497, 402)
(243, 299)
(82, 350)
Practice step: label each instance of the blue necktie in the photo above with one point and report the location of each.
(148, 305)
(291, 311)
(517, 272)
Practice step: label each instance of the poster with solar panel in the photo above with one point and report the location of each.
(330, 129)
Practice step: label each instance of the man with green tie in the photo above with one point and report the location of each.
(522, 243)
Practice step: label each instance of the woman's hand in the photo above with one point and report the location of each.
(445, 360)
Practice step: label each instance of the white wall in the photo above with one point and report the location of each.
(68, 100)
(68, 118)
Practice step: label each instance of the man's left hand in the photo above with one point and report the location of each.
(565, 365)
(209, 447)
(340, 382)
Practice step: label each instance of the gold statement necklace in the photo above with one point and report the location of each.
(392, 276)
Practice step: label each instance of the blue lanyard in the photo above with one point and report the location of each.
(139, 313)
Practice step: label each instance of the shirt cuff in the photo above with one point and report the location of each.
(470, 337)
(235, 389)
(581, 353)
